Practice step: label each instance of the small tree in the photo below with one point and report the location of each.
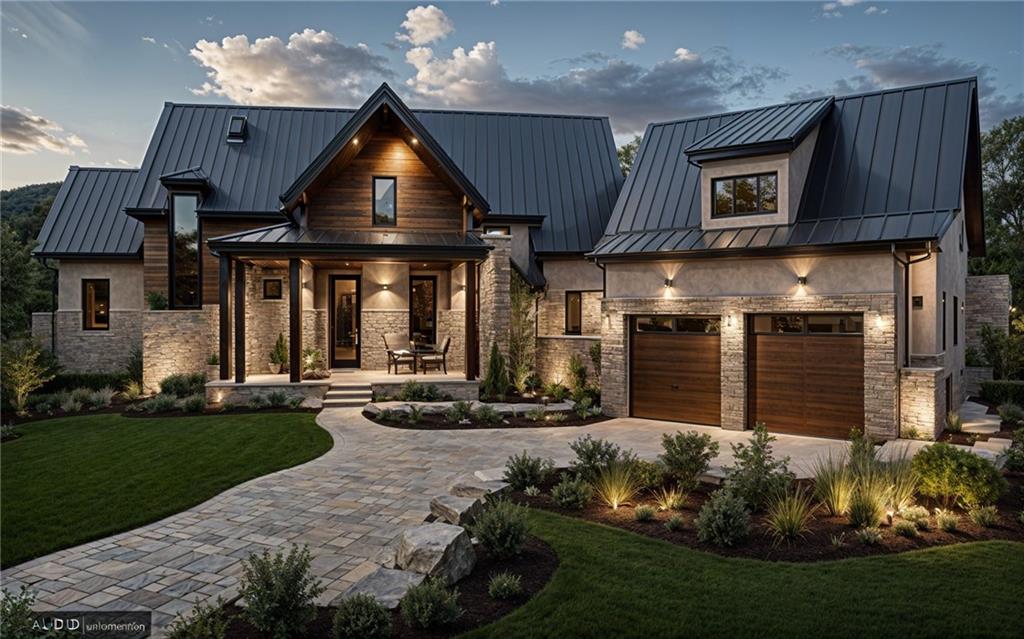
(522, 344)
(23, 372)
(279, 355)
(496, 379)
(577, 374)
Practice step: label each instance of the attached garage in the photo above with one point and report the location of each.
(676, 369)
(806, 373)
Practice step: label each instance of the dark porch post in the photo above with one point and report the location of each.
(224, 353)
(295, 320)
(472, 332)
(239, 322)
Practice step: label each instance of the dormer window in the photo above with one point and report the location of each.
(745, 195)
(237, 129)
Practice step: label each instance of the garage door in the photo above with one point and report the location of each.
(675, 369)
(806, 374)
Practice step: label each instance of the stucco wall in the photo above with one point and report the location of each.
(125, 283)
(563, 275)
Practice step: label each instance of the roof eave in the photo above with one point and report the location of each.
(884, 246)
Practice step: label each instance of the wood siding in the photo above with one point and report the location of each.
(154, 256)
(424, 201)
(805, 384)
(213, 227)
(677, 376)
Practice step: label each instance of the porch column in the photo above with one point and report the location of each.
(472, 333)
(224, 353)
(294, 320)
(239, 322)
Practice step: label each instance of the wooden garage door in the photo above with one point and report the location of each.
(675, 370)
(806, 374)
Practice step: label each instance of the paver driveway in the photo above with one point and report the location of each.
(347, 505)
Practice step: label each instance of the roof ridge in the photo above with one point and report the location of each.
(273, 107)
(75, 167)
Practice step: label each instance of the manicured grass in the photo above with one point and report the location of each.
(71, 480)
(612, 583)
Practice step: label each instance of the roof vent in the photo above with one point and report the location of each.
(237, 129)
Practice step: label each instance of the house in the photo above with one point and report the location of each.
(803, 265)
(331, 227)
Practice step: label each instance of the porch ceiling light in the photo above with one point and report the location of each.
(668, 282)
(415, 141)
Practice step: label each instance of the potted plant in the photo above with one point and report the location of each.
(212, 367)
(278, 356)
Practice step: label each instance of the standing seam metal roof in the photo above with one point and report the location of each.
(86, 217)
(783, 124)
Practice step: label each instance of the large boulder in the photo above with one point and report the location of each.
(470, 486)
(386, 585)
(456, 510)
(437, 549)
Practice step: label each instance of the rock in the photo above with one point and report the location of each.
(437, 549)
(456, 510)
(491, 474)
(386, 585)
(470, 486)
(312, 402)
(371, 409)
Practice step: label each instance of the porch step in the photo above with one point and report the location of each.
(347, 396)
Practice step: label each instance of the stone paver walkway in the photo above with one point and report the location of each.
(348, 506)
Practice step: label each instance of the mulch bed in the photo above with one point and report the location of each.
(535, 566)
(438, 422)
(815, 546)
(13, 419)
(216, 409)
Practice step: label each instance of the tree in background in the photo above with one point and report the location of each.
(25, 284)
(627, 153)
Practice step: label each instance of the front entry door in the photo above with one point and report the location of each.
(344, 321)
(423, 309)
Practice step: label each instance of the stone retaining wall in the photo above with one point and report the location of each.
(922, 405)
(83, 351)
(459, 389)
(241, 394)
(553, 355)
(987, 303)
(973, 377)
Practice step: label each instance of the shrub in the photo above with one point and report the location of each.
(496, 381)
(757, 475)
(487, 414)
(102, 398)
(862, 451)
(279, 353)
(833, 485)
(1014, 456)
(572, 492)
(674, 523)
(869, 499)
(430, 604)
(869, 536)
(905, 529)
(257, 402)
(902, 480)
(788, 515)
(1003, 351)
(132, 391)
(954, 423)
(670, 498)
(555, 417)
(501, 528)
(160, 404)
(156, 301)
(592, 455)
(616, 484)
(577, 373)
(206, 621)
(1002, 391)
(280, 591)
(837, 540)
(16, 614)
(946, 520)
(582, 407)
(133, 367)
(644, 513)
(917, 515)
(415, 415)
(952, 474)
(313, 363)
(687, 456)
(413, 391)
(531, 491)
(81, 395)
(595, 356)
(183, 384)
(91, 381)
(23, 371)
(649, 474)
(556, 392)
(389, 415)
(523, 470)
(536, 414)
(361, 616)
(984, 516)
(724, 519)
(277, 398)
(458, 412)
(504, 585)
(1011, 413)
(296, 401)
(70, 405)
(194, 403)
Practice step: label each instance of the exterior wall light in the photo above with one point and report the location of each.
(802, 280)
(385, 286)
(415, 141)
(668, 282)
(462, 287)
(355, 140)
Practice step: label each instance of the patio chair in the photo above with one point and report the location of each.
(437, 360)
(398, 352)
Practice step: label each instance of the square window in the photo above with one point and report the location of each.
(272, 289)
(573, 313)
(745, 195)
(384, 201)
(95, 305)
(723, 197)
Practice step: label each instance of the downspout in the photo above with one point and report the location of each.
(53, 314)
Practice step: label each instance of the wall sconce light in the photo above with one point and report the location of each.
(462, 287)
(802, 280)
(668, 282)
(385, 286)
(415, 141)
(879, 321)
(355, 140)
(730, 320)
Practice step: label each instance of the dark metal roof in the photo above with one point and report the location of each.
(561, 167)
(86, 218)
(887, 166)
(773, 129)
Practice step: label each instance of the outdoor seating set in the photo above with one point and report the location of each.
(402, 351)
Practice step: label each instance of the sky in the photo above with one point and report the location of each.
(83, 83)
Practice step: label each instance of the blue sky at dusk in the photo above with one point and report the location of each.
(83, 83)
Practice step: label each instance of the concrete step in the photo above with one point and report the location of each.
(345, 403)
(361, 392)
(349, 387)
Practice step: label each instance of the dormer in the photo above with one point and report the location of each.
(753, 169)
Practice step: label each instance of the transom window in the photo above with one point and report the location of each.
(745, 195)
(184, 275)
(497, 230)
(823, 324)
(384, 201)
(95, 305)
(678, 324)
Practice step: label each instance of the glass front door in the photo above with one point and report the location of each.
(423, 309)
(344, 327)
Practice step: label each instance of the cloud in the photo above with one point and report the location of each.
(424, 25)
(831, 9)
(495, 3)
(632, 39)
(149, 39)
(23, 132)
(632, 95)
(587, 57)
(873, 10)
(312, 68)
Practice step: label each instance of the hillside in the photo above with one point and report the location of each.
(25, 208)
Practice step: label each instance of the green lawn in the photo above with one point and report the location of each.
(612, 583)
(71, 480)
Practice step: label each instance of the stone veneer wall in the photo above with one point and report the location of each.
(922, 405)
(495, 297)
(551, 313)
(880, 373)
(264, 319)
(459, 389)
(230, 393)
(79, 350)
(973, 377)
(553, 353)
(987, 303)
(373, 325)
(314, 329)
(452, 323)
(177, 342)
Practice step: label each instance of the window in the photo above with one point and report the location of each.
(962, 233)
(272, 289)
(956, 320)
(384, 201)
(943, 320)
(818, 324)
(573, 312)
(678, 324)
(236, 129)
(745, 195)
(184, 248)
(95, 305)
(497, 230)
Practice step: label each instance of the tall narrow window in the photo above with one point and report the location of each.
(95, 305)
(184, 251)
(956, 320)
(384, 201)
(573, 313)
(943, 320)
